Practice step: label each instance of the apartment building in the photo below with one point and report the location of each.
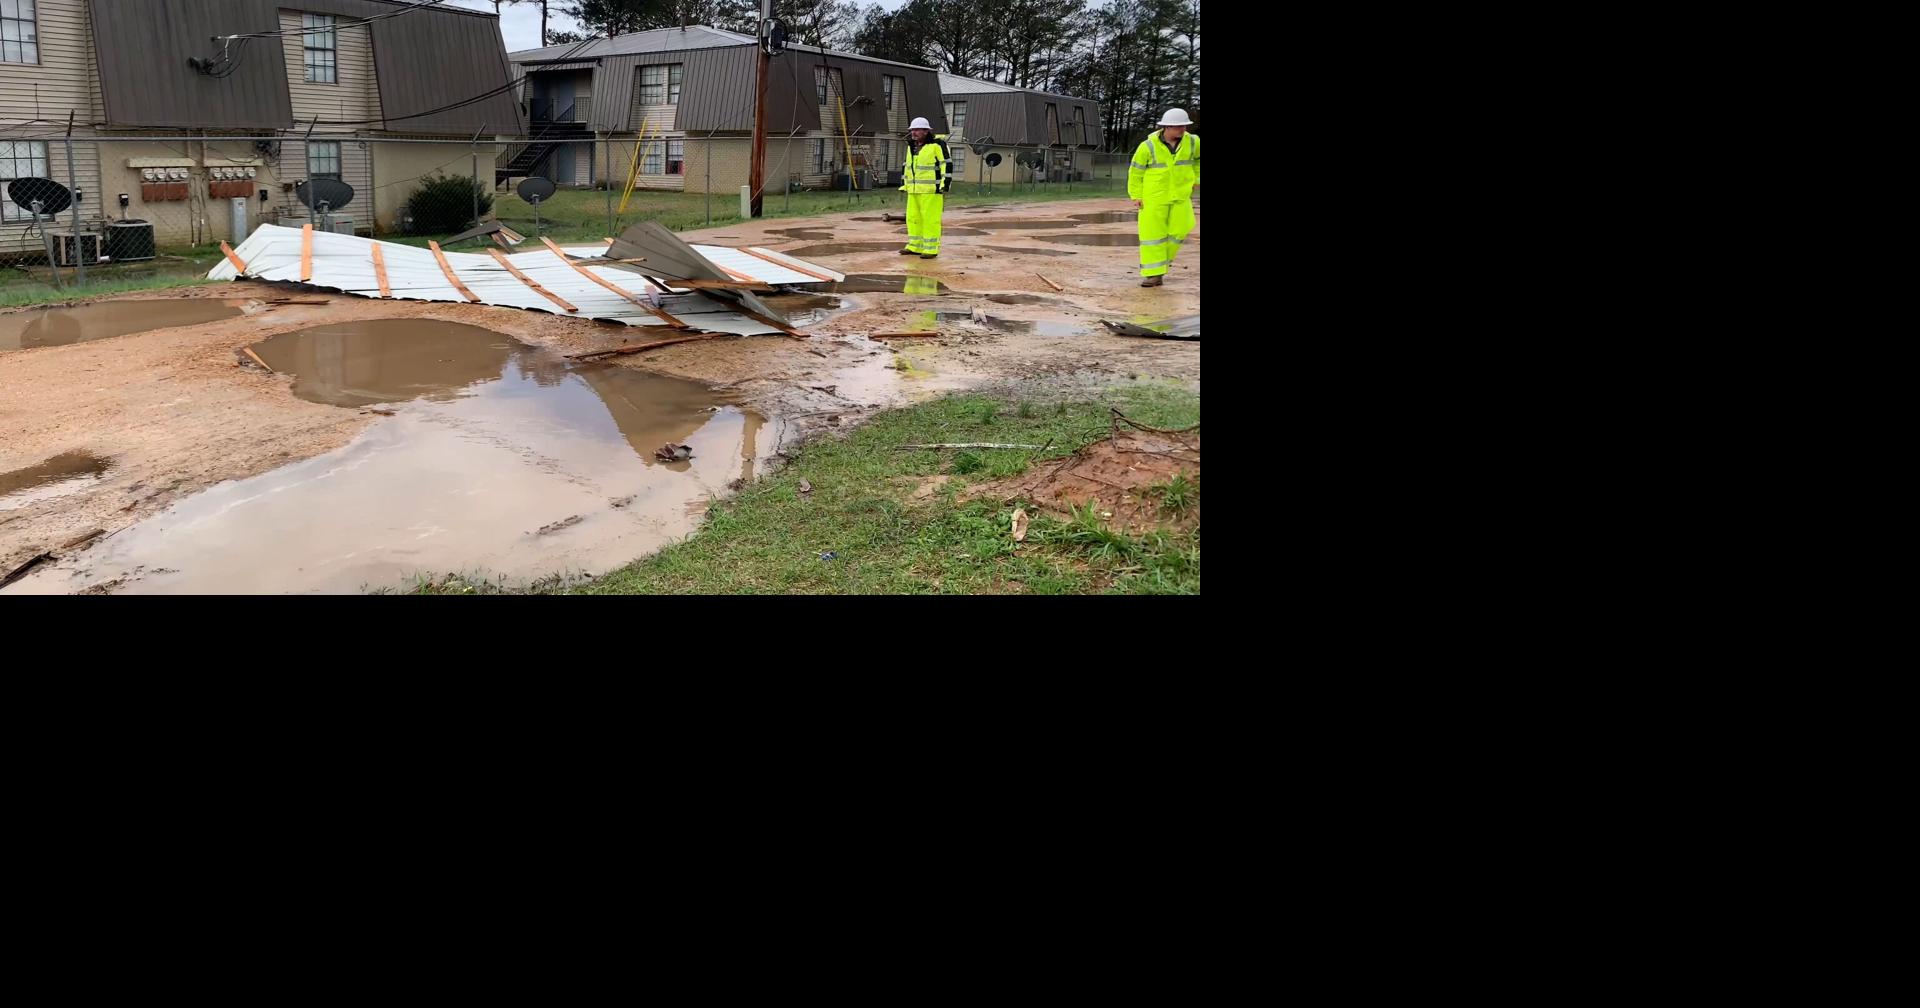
(679, 105)
(306, 91)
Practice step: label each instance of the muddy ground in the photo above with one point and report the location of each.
(173, 411)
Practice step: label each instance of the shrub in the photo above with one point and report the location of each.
(444, 203)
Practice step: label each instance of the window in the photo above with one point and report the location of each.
(896, 94)
(651, 160)
(958, 152)
(957, 118)
(822, 158)
(323, 159)
(660, 84)
(827, 84)
(20, 159)
(1053, 123)
(17, 27)
(676, 157)
(322, 66)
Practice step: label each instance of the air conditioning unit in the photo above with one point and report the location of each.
(89, 248)
(342, 225)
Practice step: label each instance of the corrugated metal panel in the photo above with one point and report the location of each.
(656, 40)
(923, 98)
(140, 89)
(1000, 116)
(433, 58)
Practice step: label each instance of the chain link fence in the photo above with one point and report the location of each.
(126, 207)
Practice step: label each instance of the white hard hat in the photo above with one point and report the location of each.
(1175, 117)
(921, 123)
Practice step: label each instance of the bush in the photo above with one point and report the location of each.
(444, 203)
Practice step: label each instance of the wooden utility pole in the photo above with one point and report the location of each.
(757, 173)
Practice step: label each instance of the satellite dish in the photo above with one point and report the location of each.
(993, 160)
(53, 196)
(535, 189)
(980, 146)
(333, 192)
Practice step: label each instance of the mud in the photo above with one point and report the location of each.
(805, 309)
(949, 231)
(841, 248)
(1022, 225)
(1116, 477)
(44, 327)
(879, 283)
(1010, 250)
(179, 417)
(542, 465)
(1106, 217)
(1111, 240)
(1039, 327)
(56, 477)
(804, 234)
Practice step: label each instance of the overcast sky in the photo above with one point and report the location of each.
(520, 22)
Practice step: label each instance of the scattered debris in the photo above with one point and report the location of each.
(1019, 525)
(673, 453)
(298, 301)
(1184, 327)
(805, 487)
(889, 215)
(1056, 287)
(828, 555)
(21, 571)
(256, 359)
(641, 347)
(931, 334)
(382, 412)
(71, 543)
(562, 523)
(622, 502)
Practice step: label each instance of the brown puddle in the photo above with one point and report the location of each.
(804, 233)
(387, 360)
(1021, 299)
(1091, 239)
(42, 327)
(842, 248)
(1036, 251)
(803, 309)
(1106, 217)
(950, 230)
(1035, 328)
(505, 459)
(56, 477)
(1018, 225)
(880, 283)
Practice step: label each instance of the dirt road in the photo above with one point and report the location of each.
(172, 411)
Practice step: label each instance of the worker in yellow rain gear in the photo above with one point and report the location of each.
(929, 173)
(1160, 181)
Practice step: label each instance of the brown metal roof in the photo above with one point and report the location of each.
(423, 59)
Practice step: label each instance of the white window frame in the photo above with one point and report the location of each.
(822, 158)
(676, 157)
(653, 158)
(327, 42)
(20, 32)
(338, 153)
(20, 159)
(666, 88)
(896, 93)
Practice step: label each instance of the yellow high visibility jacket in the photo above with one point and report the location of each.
(927, 167)
(1159, 175)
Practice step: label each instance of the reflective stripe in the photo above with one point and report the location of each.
(1156, 166)
(1183, 162)
(1156, 241)
(1140, 166)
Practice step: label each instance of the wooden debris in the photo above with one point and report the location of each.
(1019, 525)
(256, 359)
(306, 253)
(380, 271)
(935, 334)
(71, 543)
(238, 266)
(1057, 288)
(796, 268)
(645, 346)
(298, 301)
(629, 295)
(452, 277)
(21, 571)
(529, 281)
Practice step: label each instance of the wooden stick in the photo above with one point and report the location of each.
(904, 335)
(380, 271)
(531, 282)
(738, 275)
(646, 346)
(306, 253)
(796, 269)
(1051, 284)
(233, 257)
(636, 299)
(448, 270)
(256, 359)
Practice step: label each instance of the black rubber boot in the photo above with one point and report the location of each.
(1151, 282)
(925, 255)
(908, 252)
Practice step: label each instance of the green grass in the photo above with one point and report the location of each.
(581, 214)
(770, 538)
(36, 288)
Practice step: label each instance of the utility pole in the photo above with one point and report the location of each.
(756, 173)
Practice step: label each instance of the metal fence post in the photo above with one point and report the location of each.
(79, 257)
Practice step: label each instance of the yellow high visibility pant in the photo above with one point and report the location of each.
(1163, 227)
(923, 222)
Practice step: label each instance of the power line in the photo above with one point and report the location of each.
(335, 27)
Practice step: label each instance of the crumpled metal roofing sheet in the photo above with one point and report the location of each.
(345, 263)
(753, 262)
